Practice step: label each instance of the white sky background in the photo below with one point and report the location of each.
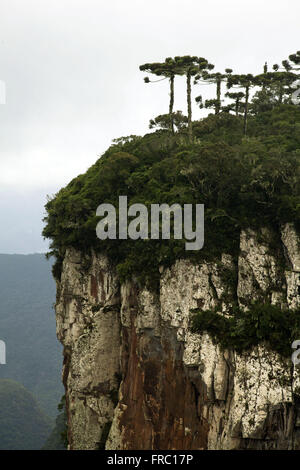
(73, 83)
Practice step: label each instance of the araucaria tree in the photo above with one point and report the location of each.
(263, 99)
(281, 81)
(245, 82)
(190, 66)
(214, 78)
(237, 105)
(166, 70)
(271, 88)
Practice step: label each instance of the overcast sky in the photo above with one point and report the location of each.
(70, 68)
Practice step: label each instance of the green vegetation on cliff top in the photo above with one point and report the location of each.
(243, 181)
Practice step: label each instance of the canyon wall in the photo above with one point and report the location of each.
(135, 375)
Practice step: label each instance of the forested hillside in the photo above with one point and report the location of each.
(23, 426)
(27, 325)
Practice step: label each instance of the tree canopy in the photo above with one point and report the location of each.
(243, 182)
(270, 88)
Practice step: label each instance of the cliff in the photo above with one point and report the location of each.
(137, 377)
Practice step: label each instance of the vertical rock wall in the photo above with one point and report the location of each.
(137, 378)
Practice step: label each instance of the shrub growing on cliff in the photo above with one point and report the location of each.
(263, 322)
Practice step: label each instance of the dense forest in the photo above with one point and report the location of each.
(23, 425)
(242, 161)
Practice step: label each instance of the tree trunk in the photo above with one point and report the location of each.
(246, 109)
(189, 106)
(237, 106)
(171, 104)
(218, 105)
(264, 81)
(280, 97)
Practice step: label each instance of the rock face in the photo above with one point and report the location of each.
(137, 378)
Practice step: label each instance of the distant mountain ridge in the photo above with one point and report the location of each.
(23, 426)
(27, 325)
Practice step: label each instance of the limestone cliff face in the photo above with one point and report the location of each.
(137, 378)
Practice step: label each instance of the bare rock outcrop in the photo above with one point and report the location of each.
(137, 378)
